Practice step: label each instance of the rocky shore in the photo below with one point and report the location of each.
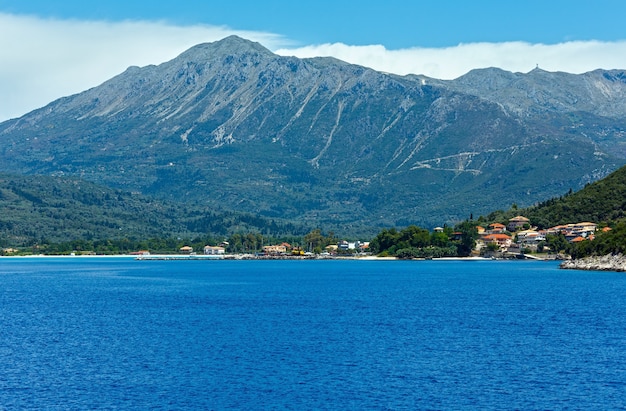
(603, 263)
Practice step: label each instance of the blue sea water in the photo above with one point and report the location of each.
(122, 334)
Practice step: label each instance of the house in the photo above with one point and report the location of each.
(481, 230)
(529, 237)
(186, 249)
(556, 230)
(573, 231)
(585, 228)
(211, 250)
(517, 223)
(274, 249)
(503, 240)
(496, 228)
(140, 252)
(457, 236)
(343, 245)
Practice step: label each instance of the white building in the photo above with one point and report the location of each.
(211, 250)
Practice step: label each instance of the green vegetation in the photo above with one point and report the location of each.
(235, 243)
(610, 242)
(63, 214)
(58, 215)
(603, 202)
(416, 242)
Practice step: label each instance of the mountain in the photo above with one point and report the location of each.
(231, 126)
(600, 92)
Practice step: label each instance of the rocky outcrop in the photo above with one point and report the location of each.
(597, 263)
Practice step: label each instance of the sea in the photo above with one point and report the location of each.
(120, 334)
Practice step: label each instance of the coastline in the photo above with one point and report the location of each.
(608, 262)
(233, 257)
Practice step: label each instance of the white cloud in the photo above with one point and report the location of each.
(452, 62)
(44, 59)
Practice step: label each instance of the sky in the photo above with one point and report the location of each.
(51, 49)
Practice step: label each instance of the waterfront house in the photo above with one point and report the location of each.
(274, 249)
(503, 240)
(140, 252)
(211, 250)
(186, 249)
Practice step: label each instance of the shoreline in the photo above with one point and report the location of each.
(237, 257)
(608, 262)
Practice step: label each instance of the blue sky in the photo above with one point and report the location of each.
(50, 49)
(392, 23)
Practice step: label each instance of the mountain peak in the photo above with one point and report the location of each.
(227, 46)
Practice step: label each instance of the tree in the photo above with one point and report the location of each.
(557, 243)
(469, 235)
(439, 239)
(314, 239)
(384, 241)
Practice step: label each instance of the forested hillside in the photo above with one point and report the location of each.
(603, 201)
(40, 210)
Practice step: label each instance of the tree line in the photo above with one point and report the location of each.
(417, 242)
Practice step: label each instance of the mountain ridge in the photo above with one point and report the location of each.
(231, 125)
(603, 92)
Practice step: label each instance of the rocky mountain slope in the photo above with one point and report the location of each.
(230, 125)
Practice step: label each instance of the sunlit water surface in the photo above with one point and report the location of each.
(113, 333)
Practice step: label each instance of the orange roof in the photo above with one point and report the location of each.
(497, 225)
(605, 229)
(558, 227)
(578, 239)
(497, 237)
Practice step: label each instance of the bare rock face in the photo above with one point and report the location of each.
(600, 92)
(233, 126)
(611, 262)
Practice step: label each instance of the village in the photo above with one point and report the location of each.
(279, 251)
(517, 239)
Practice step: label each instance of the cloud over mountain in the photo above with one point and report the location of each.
(44, 59)
(452, 62)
